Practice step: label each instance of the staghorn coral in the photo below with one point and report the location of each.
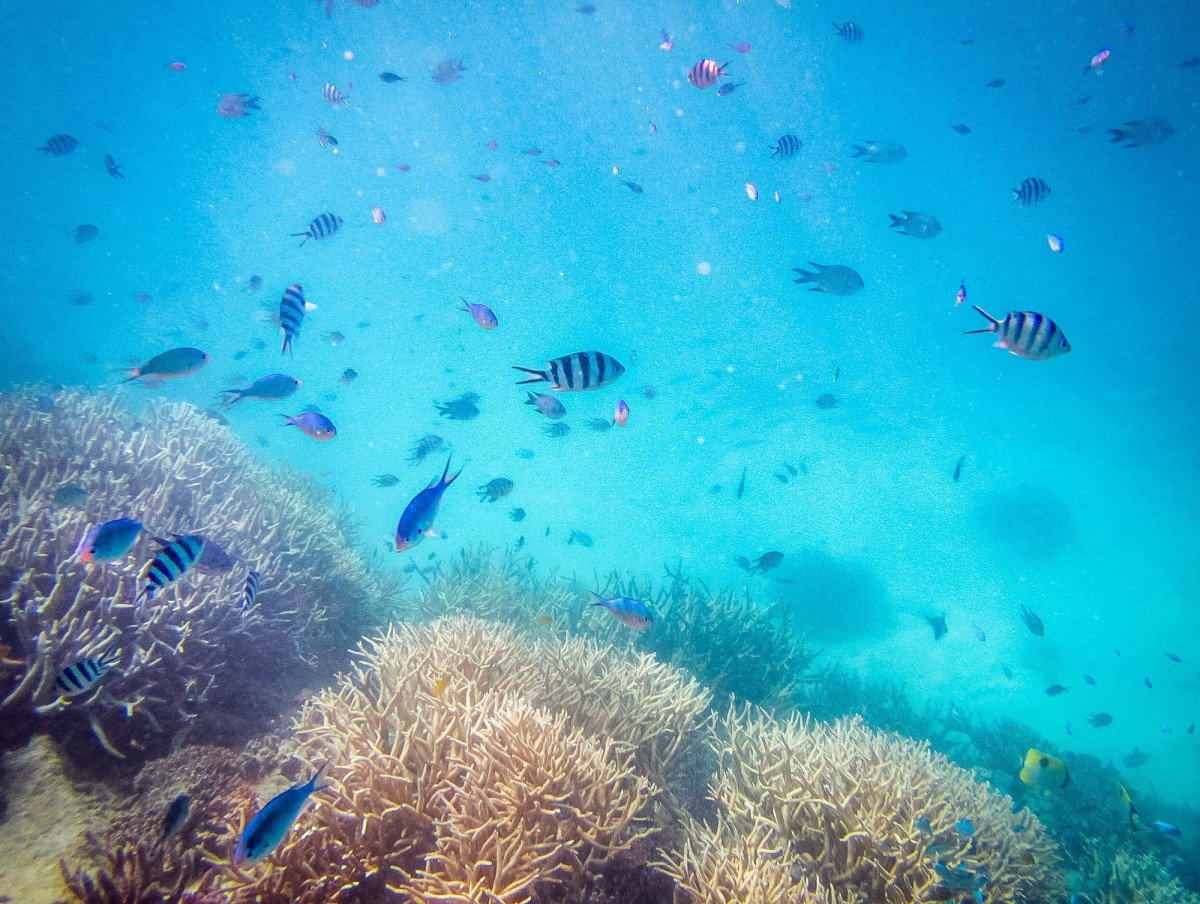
(191, 652)
(840, 803)
(467, 790)
(1137, 879)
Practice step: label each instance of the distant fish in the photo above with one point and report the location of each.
(706, 73)
(1148, 683)
(586, 9)
(1174, 657)
(546, 404)
(1031, 191)
(59, 145)
(176, 817)
(599, 424)
(997, 83)
(1026, 334)
(958, 466)
(270, 824)
(108, 541)
(250, 590)
(312, 424)
(880, 151)
(961, 295)
(215, 559)
(1098, 59)
(938, 624)
(578, 372)
(325, 140)
(631, 612)
(174, 558)
(254, 283)
(632, 186)
(481, 314)
(833, 279)
(333, 337)
(463, 408)
(766, 562)
(71, 494)
(1089, 680)
(235, 106)
(741, 487)
(961, 128)
(416, 522)
(349, 375)
(333, 96)
(82, 675)
(964, 827)
(786, 146)
(751, 191)
(292, 308)
(1136, 758)
(1168, 828)
(580, 537)
(1044, 771)
(741, 47)
(1189, 63)
(170, 365)
(980, 634)
(827, 400)
(424, 447)
(517, 514)
(848, 32)
(378, 216)
(271, 388)
(1055, 242)
(1100, 720)
(390, 78)
(322, 227)
(447, 71)
(918, 225)
(1035, 625)
(728, 88)
(666, 43)
(385, 480)
(556, 430)
(1056, 690)
(85, 233)
(495, 489)
(1142, 133)
(112, 167)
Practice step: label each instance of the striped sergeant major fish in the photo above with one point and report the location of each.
(333, 95)
(849, 32)
(175, 557)
(1026, 334)
(322, 227)
(579, 372)
(82, 675)
(292, 308)
(706, 73)
(1031, 191)
(786, 146)
(249, 591)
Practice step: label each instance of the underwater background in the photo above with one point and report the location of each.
(924, 488)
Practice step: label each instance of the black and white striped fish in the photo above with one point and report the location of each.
(706, 73)
(1031, 191)
(579, 372)
(291, 314)
(59, 145)
(849, 32)
(333, 95)
(249, 591)
(321, 228)
(786, 146)
(174, 558)
(1026, 334)
(82, 675)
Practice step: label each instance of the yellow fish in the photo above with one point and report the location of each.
(440, 687)
(1044, 771)
(545, 620)
(1127, 803)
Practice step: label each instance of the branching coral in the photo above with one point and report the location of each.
(1138, 879)
(480, 788)
(190, 650)
(847, 808)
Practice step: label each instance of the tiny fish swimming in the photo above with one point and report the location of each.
(322, 227)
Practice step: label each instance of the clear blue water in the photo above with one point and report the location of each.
(1078, 495)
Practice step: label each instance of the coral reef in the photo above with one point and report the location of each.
(694, 628)
(69, 460)
(866, 816)
(1136, 879)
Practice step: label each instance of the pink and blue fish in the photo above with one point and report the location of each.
(418, 516)
(633, 613)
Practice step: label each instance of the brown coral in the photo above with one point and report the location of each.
(512, 778)
(846, 805)
(186, 654)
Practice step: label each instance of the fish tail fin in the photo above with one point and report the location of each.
(805, 276)
(444, 482)
(990, 328)
(287, 419)
(252, 103)
(539, 376)
(312, 785)
(287, 345)
(860, 150)
(896, 221)
(110, 657)
(598, 601)
(532, 400)
(230, 397)
(836, 27)
(134, 373)
(306, 235)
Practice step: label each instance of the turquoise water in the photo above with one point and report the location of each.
(1078, 494)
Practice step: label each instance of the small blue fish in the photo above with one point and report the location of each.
(1174, 657)
(964, 827)
(419, 514)
(108, 541)
(1168, 828)
(177, 816)
(923, 824)
(633, 613)
(249, 591)
(980, 634)
(82, 675)
(1088, 679)
(174, 558)
(312, 424)
(270, 824)
(271, 388)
